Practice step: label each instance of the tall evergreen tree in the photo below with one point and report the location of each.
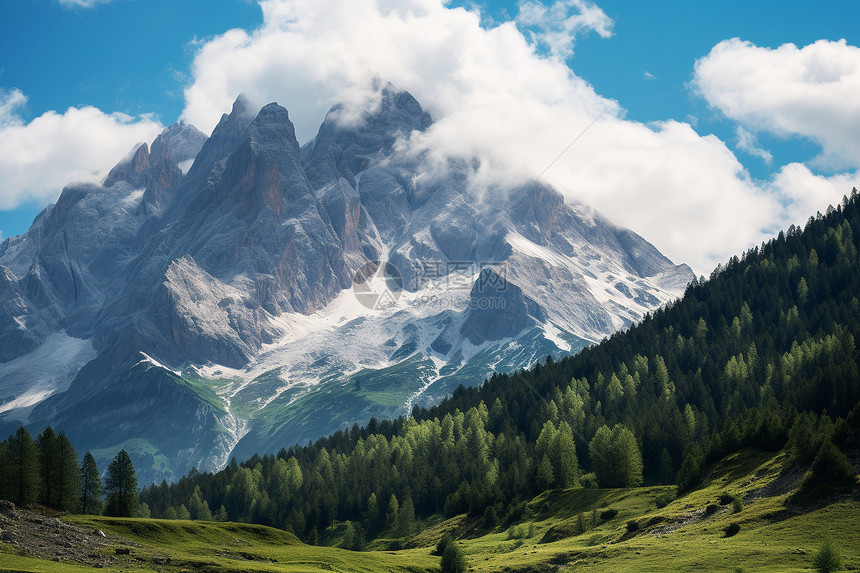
(452, 559)
(21, 468)
(615, 457)
(121, 487)
(49, 467)
(68, 483)
(91, 486)
(198, 508)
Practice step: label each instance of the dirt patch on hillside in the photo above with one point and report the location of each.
(34, 534)
(787, 481)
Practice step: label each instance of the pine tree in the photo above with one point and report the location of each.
(544, 477)
(121, 487)
(406, 518)
(68, 483)
(198, 508)
(827, 559)
(91, 487)
(49, 467)
(182, 513)
(452, 559)
(143, 511)
(615, 457)
(22, 468)
(393, 516)
(627, 457)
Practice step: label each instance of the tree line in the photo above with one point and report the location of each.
(45, 471)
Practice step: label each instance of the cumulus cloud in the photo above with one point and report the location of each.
(789, 91)
(38, 158)
(497, 94)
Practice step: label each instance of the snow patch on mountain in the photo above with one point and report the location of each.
(49, 369)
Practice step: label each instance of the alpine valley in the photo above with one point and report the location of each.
(234, 294)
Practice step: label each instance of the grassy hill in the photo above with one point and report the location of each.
(751, 488)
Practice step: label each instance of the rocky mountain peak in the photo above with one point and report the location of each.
(130, 169)
(350, 139)
(178, 142)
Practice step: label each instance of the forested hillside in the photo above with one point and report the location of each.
(762, 353)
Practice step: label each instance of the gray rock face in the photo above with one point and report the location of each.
(21, 328)
(207, 274)
(498, 310)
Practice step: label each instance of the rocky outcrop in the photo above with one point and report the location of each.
(498, 309)
(21, 328)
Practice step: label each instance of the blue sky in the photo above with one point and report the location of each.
(137, 58)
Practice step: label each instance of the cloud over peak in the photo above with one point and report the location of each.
(38, 158)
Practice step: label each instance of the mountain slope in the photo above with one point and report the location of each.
(246, 272)
(762, 355)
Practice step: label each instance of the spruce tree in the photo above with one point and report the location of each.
(121, 487)
(393, 516)
(91, 486)
(49, 467)
(198, 507)
(22, 468)
(406, 518)
(68, 484)
(452, 559)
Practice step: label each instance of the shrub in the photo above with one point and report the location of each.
(827, 559)
(515, 513)
(453, 560)
(830, 472)
(726, 498)
(737, 506)
(589, 480)
(581, 525)
(516, 532)
(443, 543)
(632, 526)
(491, 518)
(732, 529)
(608, 514)
(711, 509)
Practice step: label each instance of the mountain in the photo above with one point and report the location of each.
(221, 296)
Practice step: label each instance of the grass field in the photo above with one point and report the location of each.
(688, 534)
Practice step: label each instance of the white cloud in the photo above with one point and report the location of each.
(493, 95)
(38, 158)
(9, 102)
(649, 76)
(810, 91)
(748, 143)
(806, 193)
(82, 3)
(556, 27)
